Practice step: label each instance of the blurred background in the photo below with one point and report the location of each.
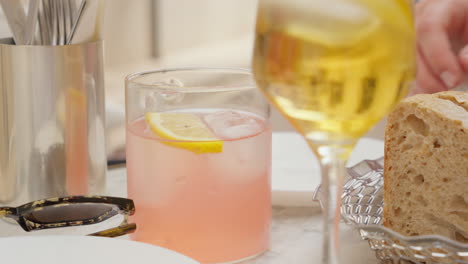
(149, 34)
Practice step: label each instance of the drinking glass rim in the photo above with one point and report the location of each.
(132, 78)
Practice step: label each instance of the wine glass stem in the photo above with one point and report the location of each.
(332, 162)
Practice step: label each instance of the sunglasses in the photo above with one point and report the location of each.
(73, 211)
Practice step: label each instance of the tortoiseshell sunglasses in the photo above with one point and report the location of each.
(73, 211)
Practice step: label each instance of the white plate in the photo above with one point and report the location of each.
(296, 171)
(84, 250)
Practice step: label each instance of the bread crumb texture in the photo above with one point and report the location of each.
(426, 166)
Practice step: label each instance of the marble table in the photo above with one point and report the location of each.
(296, 238)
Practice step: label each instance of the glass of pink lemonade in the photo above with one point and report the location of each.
(199, 162)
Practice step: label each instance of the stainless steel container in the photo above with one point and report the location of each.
(52, 140)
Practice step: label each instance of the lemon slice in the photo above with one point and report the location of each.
(184, 130)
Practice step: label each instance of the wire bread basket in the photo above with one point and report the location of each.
(362, 207)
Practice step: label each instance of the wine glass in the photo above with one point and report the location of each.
(334, 68)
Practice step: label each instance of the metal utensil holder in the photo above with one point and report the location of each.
(52, 127)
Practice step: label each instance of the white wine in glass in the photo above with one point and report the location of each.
(334, 68)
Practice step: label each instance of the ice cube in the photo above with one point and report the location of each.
(239, 131)
(169, 94)
(246, 157)
(165, 96)
(232, 124)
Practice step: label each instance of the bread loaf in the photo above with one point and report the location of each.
(426, 166)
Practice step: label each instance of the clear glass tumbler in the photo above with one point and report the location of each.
(199, 162)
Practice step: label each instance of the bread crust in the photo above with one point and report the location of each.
(426, 166)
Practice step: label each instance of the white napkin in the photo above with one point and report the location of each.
(296, 171)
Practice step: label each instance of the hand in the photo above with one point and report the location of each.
(442, 44)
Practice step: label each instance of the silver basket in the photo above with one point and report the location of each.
(362, 207)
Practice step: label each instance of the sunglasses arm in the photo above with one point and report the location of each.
(123, 229)
(6, 211)
(116, 231)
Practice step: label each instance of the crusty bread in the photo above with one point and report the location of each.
(426, 166)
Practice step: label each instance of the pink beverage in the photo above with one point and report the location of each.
(212, 207)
